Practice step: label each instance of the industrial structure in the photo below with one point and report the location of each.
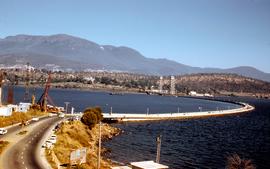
(1, 81)
(172, 91)
(4, 110)
(45, 103)
(45, 98)
(27, 84)
(161, 84)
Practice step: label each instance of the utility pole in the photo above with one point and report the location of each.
(99, 146)
(158, 148)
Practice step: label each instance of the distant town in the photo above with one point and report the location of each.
(198, 85)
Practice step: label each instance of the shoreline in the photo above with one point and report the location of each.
(116, 89)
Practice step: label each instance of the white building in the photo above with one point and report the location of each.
(147, 165)
(5, 111)
(24, 107)
(192, 93)
(208, 95)
(15, 108)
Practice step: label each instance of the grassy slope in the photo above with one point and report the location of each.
(74, 135)
(17, 117)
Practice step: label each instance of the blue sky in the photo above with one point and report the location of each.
(204, 33)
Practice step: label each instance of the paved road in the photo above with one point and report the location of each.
(17, 127)
(22, 155)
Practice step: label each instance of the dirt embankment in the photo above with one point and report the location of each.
(75, 135)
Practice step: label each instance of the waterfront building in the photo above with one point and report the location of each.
(5, 111)
(24, 107)
(147, 165)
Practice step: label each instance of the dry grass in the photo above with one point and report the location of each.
(17, 117)
(3, 145)
(76, 135)
(50, 158)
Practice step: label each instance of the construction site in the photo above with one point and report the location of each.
(29, 102)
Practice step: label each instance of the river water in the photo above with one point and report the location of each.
(189, 143)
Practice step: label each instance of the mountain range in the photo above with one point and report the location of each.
(65, 52)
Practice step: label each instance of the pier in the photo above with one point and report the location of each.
(118, 117)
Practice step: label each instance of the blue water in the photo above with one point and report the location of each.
(198, 143)
(188, 143)
(127, 103)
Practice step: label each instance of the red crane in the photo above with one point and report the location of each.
(45, 98)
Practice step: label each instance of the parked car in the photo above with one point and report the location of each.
(35, 119)
(52, 140)
(51, 114)
(3, 131)
(53, 136)
(61, 115)
(47, 144)
(24, 123)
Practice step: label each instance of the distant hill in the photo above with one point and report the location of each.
(65, 52)
(220, 82)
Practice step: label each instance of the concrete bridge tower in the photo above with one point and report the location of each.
(161, 84)
(172, 91)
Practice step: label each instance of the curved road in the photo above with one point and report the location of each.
(24, 154)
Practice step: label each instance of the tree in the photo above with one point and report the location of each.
(92, 116)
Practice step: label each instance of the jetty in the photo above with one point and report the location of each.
(118, 117)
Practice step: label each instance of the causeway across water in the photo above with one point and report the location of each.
(167, 116)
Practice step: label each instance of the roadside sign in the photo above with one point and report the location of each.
(78, 156)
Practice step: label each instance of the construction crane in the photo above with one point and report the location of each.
(1, 80)
(10, 95)
(27, 83)
(12, 80)
(45, 98)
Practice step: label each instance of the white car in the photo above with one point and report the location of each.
(47, 144)
(61, 115)
(3, 131)
(51, 114)
(53, 136)
(52, 140)
(35, 119)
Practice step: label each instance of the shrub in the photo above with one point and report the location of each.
(235, 162)
(92, 116)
